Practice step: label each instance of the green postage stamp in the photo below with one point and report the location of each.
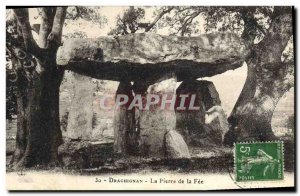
(258, 161)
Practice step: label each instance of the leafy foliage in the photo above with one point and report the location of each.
(11, 89)
(185, 21)
(288, 53)
(129, 22)
(92, 14)
(76, 34)
(182, 20)
(11, 99)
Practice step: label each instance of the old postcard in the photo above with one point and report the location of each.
(150, 98)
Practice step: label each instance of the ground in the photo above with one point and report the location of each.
(97, 157)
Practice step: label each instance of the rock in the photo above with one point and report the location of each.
(66, 93)
(176, 147)
(154, 122)
(103, 127)
(125, 136)
(216, 119)
(84, 154)
(152, 56)
(102, 118)
(191, 124)
(81, 110)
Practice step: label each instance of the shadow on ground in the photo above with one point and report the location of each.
(84, 157)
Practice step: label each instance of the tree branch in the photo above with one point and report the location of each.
(249, 32)
(158, 17)
(247, 11)
(278, 35)
(76, 15)
(47, 16)
(259, 27)
(124, 27)
(187, 22)
(54, 37)
(287, 74)
(30, 44)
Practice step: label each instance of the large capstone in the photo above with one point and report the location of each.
(152, 56)
(207, 125)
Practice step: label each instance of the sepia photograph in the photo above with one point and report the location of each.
(150, 98)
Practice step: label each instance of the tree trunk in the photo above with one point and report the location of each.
(269, 77)
(38, 134)
(252, 114)
(38, 81)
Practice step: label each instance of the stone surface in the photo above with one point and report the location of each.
(216, 119)
(176, 147)
(85, 154)
(194, 126)
(65, 99)
(102, 121)
(125, 136)
(103, 127)
(81, 110)
(151, 56)
(154, 123)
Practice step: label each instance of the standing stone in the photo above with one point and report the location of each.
(66, 94)
(81, 109)
(216, 119)
(176, 147)
(191, 124)
(125, 136)
(155, 122)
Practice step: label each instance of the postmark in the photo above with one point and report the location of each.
(258, 161)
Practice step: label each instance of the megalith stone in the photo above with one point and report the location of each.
(125, 136)
(207, 125)
(148, 55)
(81, 110)
(176, 148)
(153, 123)
(216, 119)
(65, 100)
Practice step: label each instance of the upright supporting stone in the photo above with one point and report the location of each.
(124, 122)
(66, 94)
(154, 122)
(206, 126)
(81, 110)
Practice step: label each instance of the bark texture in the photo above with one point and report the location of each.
(269, 77)
(38, 134)
(38, 81)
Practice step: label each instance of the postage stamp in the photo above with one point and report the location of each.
(257, 161)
